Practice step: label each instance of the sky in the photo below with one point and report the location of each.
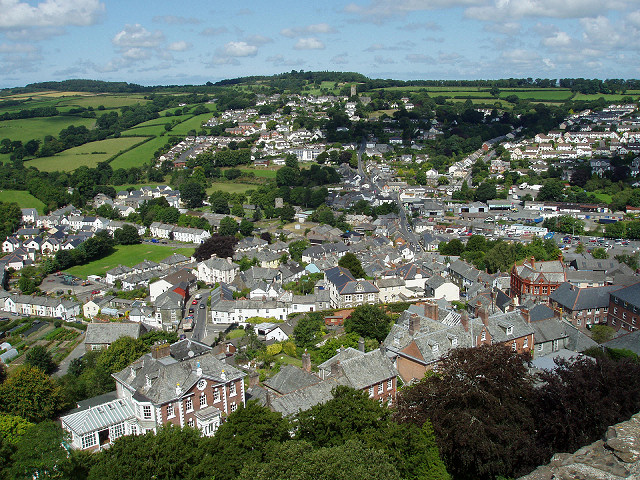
(182, 42)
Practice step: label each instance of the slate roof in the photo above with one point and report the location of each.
(630, 294)
(540, 312)
(305, 398)
(101, 333)
(165, 373)
(548, 330)
(553, 271)
(630, 341)
(575, 299)
(290, 378)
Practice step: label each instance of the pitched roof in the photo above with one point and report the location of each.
(291, 378)
(574, 299)
(101, 333)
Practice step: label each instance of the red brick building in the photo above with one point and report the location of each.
(624, 308)
(534, 279)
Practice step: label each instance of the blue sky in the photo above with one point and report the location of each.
(190, 42)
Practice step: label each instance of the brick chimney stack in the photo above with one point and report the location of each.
(526, 314)
(336, 369)
(306, 362)
(414, 324)
(361, 344)
(160, 350)
(464, 320)
(483, 315)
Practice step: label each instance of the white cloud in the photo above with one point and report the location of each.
(136, 53)
(179, 46)
(310, 43)
(239, 49)
(380, 10)
(50, 13)
(516, 9)
(558, 40)
(17, 48)
(34, 34)
(258, 40)
(601, 31)
(315, 29)
(137, 36)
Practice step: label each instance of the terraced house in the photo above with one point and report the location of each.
(624, 308)
(345, 291)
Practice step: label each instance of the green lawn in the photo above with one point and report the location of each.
(140, 155)
(286, 359)
(146, 130)
(237, 333)
(22, 198)
(603, 197)
(231, 187)
(89, 154)
(262, 172)
(596, 96)
(38, 128)
(128, 255)
(542, 95)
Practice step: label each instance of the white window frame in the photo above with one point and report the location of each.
(390, 384)
(234, 406)
(232, 389)
(191, 423)
(147, 414)
(170, 411)
(371, 391)
(116, 431)
(380, 388)
(203, 400)
(216, 395)
(188, 405)
(88, 440)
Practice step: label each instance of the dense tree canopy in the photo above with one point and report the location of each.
(369, 321)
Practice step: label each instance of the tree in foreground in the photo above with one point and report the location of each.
(171, 453)
(298, 459)
(245, 438)
(369, 321)
(40, 454)
(37, 356)
(30, 394)
(479, 405)
(352, 416)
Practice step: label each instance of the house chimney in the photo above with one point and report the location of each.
(267, 400)
(464, 320)
(533, 262)
(525, 314)
(306, 362)
(198, 370)
(414, 324)
(336, 369)
(160, 350)
(253, 379)
(477, 308)
(361, 344)
(178, 389)
(484, 316)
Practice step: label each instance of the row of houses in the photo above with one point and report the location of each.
(39, 306)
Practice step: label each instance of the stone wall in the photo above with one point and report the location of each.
(616, 457)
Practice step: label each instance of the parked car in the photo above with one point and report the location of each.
(95, 292)
(195, 302)
(202, 305)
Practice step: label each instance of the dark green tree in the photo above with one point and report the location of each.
(127, 235)
(351, 263)
(30, 394)
(228, 226)
(192, 193)
(38, 356)
(369, 321)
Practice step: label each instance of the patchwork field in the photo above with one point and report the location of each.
(22, 198)
(140, 155)
(38, 128)
(261, 172)
(128, 255)
(89, 154)
(194, 123)
(107, 101)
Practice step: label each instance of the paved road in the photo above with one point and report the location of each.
(77, 352)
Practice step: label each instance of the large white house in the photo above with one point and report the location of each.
(217, 270)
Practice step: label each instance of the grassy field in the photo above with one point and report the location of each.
(106, 100)
(38, 128)
(603, 197)
(230, 187)
(596, 96)
(88, 154)
(542, 95)
(194, 123)
(22, 198)
(269, 172)
(140, 155)
(154, 130)
(128, 255)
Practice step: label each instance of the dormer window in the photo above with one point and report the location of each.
(434, 349)
(454, 342)
(359, 288)
(510, 330)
